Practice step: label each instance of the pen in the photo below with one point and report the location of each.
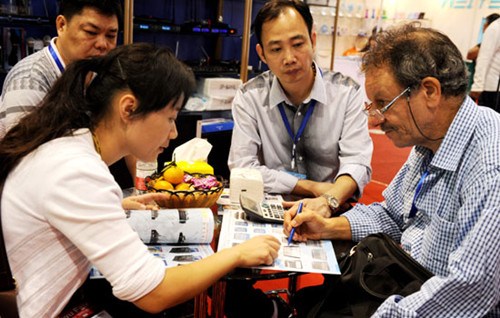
(293, 229)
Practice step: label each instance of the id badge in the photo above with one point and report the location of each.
(301, 176)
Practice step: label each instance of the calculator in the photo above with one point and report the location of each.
(263, 211)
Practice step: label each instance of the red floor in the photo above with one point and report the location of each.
(386, 161)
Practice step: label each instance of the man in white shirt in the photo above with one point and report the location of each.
(487, 72)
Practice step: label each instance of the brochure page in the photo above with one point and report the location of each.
(177, 236)
(180, 226)
(172, 255)
(311, 256)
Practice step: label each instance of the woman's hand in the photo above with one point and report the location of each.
(142, 202)
(262, 249)
(318, 205)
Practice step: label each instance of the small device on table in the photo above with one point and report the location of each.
(262, 211)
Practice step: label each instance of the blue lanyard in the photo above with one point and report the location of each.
(56, 58)
(413, 210)
(295, 138)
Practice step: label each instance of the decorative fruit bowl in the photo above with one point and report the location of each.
(185, 190)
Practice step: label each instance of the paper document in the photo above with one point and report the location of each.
(173, 226)
(177, 236)
(311, 256)
(172, 255)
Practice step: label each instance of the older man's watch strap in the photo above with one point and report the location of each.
(332, 201)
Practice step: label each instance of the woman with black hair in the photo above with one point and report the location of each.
(61, 208)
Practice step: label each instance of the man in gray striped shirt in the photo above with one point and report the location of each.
(84, 29)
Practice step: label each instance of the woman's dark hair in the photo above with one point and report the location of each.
(491, 18)
(69, 8)
(412, 53)
(272, 9)
(154, 75)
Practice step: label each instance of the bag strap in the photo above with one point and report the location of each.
(7, 282)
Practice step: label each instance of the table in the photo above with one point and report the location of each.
(219, 289)
(218, 294)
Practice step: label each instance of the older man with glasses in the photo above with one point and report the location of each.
(443, 206)
(377, 111)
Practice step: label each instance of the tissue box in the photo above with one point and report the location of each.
(248, 180)
(219, 87)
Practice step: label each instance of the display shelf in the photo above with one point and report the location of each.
(17, 20)
(207, 33)
(341, 27)
(22, 35)
(147, 24)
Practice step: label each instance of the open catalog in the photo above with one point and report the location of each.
(177, 236)
(310, 256)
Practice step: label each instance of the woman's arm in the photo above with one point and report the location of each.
(184, 282)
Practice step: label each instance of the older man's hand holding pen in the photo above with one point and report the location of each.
(304, 226)
(292, 232)
(309, 225)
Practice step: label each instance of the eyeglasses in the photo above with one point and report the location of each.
(372, 111)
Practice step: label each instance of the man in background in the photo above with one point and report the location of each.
(85, 28)
(473, 52)
(300, 126)
(303, 128)
(487, 71)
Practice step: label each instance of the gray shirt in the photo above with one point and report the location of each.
(335, 140)
(26, 85)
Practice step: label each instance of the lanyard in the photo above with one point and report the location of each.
(56, 58)
(413, 210)
(295, 138)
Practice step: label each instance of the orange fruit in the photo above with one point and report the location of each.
(173, 174)
(183, 186)
(163, 185)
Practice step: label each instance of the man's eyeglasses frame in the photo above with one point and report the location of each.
(374, 112)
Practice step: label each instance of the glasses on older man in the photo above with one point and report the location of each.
(378, 113)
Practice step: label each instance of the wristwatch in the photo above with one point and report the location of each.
(333, 203)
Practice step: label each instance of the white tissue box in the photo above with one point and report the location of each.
(248, 180)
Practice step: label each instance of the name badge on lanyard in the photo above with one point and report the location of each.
(296, 137)
(56, 58)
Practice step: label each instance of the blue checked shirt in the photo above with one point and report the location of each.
(456, 231)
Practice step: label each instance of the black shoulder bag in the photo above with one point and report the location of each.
(376, 268)
(8, 291)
